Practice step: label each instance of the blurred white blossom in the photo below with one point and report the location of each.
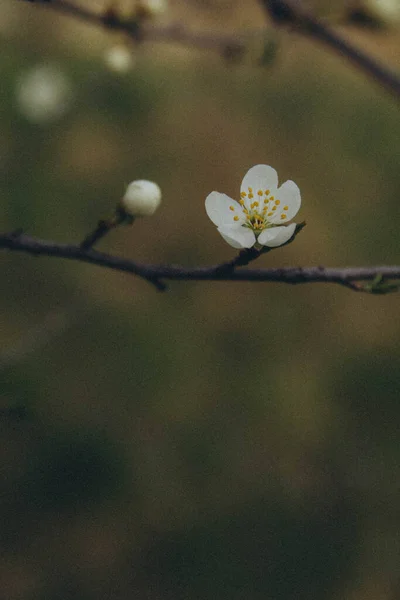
(152, 8)
(120, 59)
(387, 11)
(43, 94)
(141, 199)
(261, 212)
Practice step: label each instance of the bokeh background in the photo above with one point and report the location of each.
(219, 441)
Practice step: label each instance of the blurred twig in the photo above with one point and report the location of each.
(230, 47)
(292, 12)
(382, 279)
(286, 12)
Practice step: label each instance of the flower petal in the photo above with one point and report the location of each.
(260, 177)
(290, 200)
(219, 211)
(237, 237)
(276, 236)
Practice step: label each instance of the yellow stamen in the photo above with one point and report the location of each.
(231, 208)
(260, 192)
(243, 194)
(283, 216)
(285, 208)
(267, 192)
(251, 195)
(250, 189)
(236, 218)
(277, 202)
(270, 214)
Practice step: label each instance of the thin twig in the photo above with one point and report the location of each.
(230, 47)
(281, 11)
(292, 12)
(103, 227)
(380, 277)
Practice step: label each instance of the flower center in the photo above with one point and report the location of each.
(258, 208)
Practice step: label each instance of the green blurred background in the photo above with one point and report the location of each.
(219, 441)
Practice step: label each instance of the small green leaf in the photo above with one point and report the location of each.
(379, 286)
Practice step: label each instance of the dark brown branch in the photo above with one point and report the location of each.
(380, 279)
(104, 226)
(292, 12)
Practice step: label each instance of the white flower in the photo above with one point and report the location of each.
(43, 94)
(259, 215)
(141, 199)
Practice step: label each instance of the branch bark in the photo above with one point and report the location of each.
(379, 278)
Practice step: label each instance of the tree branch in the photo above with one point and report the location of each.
(380, 279)
(103, 227)
(292, 12)
(233, 47)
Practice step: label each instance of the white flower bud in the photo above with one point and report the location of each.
(119, 59)
(141, 199)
